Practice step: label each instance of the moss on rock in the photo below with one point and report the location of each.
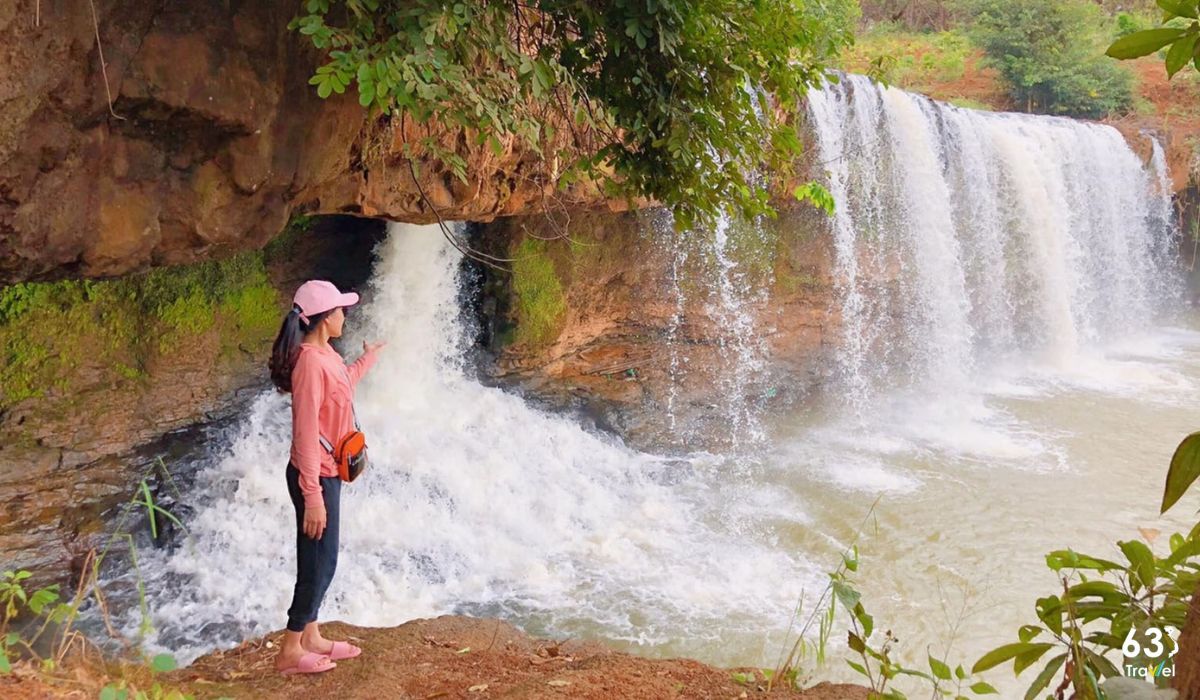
(49, 330)
(540, 301)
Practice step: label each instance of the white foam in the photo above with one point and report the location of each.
(474, 500)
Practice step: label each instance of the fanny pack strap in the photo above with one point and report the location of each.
(329, 446)
(325, 443)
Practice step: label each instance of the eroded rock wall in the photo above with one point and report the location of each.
(647, 329)
(197, 136)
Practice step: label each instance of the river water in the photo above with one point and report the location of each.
(1013, 375)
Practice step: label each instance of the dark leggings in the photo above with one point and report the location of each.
(316, 560)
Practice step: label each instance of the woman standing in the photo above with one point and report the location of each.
(322, 387)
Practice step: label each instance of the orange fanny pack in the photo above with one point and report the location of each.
(350, 453)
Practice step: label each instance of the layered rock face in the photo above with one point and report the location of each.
(196, 136)
(661, 336)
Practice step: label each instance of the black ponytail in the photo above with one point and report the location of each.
(287, 347)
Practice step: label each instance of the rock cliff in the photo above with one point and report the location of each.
(157, 133)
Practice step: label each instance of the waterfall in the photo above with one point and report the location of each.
(709, 274)
(743, 351)
(965, 238)
(962, 239)
(474, 502)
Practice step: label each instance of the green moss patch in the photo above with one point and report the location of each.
(540, 302)
(48, 330)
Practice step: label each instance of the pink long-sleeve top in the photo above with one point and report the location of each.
(322, 404)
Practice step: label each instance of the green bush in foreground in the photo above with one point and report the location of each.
(48, 621)
(1179, 34)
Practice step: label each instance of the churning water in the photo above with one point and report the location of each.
(475, 502)
(1009, 382)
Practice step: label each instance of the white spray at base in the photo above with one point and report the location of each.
(474, 501)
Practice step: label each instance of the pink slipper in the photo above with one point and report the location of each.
(343, 650)
(311, 662)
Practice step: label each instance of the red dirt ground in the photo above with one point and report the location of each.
(450, 657)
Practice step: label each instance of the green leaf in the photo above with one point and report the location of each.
(1141, 559)
(901, 671)
(999, 655)
(817, 195)
(1180, 54)
(1028, 658)
(108, 693)
(982, 688)
(1050, 611)
(1100, 589)
(1183, 471)
(846, 595)
(1105, 666)
(865, 619)
(1043, 679)
(1070, 559)
(366, 94)
(5, 665)
(41, 598)
(163, 663)
(939, 668)
(1179, 8)
(857, 667)
(1144, 43)
(855, 642)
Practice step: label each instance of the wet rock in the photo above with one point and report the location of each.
(644, 346)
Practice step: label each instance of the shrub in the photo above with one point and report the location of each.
(1051, 55)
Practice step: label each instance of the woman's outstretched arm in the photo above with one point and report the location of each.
(359, 367)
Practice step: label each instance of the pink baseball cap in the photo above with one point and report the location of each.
(316, 296)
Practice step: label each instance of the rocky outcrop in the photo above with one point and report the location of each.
(197, 135)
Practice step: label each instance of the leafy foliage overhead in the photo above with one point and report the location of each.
(665, 99)
(1180, 32)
